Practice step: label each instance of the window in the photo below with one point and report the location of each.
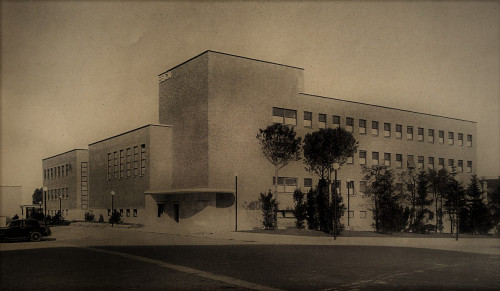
(431, 135)
(451, 165)
(420, 134)
(460, 166)
(143, 159)
(129, 160)
(431, 163)
(441, 136)
(336, 121)
(399, 131)
(350, 188)
(362, 126)
(387, 159)
(278, 115)
(290, 117)
(50, 173)
(110, 166)
(421, 162)
(410, 163)
(375, 158)
(350, 159)
(135, 212)
(451, 138)
(469, 166)
(362, 157)
(338, 186)
(121, 212)
(362, 214)
(307, 119)
(374, 127)
(68, 168)
(399, 161)
(322, 120)
(286, 184)
(460, 139)
(128, 212)
(115, 168)
(387, 129)
(441, 163)
(362, 186)
(62, 171)
(67, 194)
(58, 172)
(351, 214)
(109, 212)
(122, 164)
(45, 174)
(409, 132)
(285, 116)
(349, 124)
(308, 182)
(136, 161)
(469, 140)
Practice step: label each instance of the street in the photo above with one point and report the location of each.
(144, 260)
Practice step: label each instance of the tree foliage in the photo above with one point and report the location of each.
(422, 201)
(300, 208)
(479, 219)
(269, 207)
(37, 196)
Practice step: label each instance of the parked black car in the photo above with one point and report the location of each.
(24, 229)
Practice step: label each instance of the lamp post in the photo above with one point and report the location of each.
(112, 207)
(60, 204)
(236, 202)
(336, 166)
(44, 189)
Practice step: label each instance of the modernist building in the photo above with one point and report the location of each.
(65, 183)
(182, 173)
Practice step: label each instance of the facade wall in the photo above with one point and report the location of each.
(66, 176)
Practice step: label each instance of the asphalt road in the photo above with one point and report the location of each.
(216, 267)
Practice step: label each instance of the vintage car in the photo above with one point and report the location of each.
(24, 229)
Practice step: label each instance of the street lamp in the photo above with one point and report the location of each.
(60, 204)
(45, 203)
(236, 201)
(112, 207)
(336, 166)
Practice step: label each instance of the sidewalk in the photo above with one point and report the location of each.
(489, 246)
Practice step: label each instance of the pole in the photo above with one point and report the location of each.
(335, 209)
(236, 203)
(112, 209)
(45, 202)
(60, 204)
(348, 205)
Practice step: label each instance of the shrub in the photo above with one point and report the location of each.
(116, 217)
(300, 210)
(89, 216)
(269, 207)
(101, 218)
(312, 215)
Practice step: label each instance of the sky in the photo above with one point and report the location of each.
(73, 73)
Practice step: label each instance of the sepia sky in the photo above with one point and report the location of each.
(74, 73)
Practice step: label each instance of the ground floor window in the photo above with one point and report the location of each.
(134, 212)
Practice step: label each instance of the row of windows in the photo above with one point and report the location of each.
(120, 163)
(362, 214)
(410, 162)
(55, 194)
(289, 116)
(57, 172)
(127, 211)
(53, 212)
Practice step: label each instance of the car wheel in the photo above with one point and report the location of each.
(35, 236)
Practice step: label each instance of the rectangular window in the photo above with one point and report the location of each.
(362, 186)
(469, 140)
(110, 166)
(129, 162)
(451, 165)
(350, 188)
(375, 158)
(410, 163)
(441, 136)
(121, 212)
(67, 169)
(431, 135)
(136, 161)
(308, 182)
(115, 168)
(67, 193)
(460, 139)
(399, 131)
(431, 163)
(387, 129)
(128, 212)
(122, 164)
(109, 212)
(336, 121)
(362, 126)
(441, 163)
(58, 172)
(399, 161)
(421, 162)
(307, 119)
(278, 115)
(387, 159)
(350, 159)
(286, 184)
(409, 132)
(321, 120)
(349, 124)
(374, 127)
(62, 171)
(362, 214)
(290, 117)
(362, 157)
(451, 138)
(143, 159)
(460, 166)
(469, 166)
(45, 174)
(134, 212)
(420, 133)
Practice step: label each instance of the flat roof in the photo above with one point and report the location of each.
(144, 126)
(231, 55)
(64, 153)
(386, 107)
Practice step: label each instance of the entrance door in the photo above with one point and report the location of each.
(161, 209)
(176, 212)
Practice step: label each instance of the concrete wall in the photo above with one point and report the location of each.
(10, 201)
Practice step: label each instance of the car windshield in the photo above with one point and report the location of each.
(15, 223)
